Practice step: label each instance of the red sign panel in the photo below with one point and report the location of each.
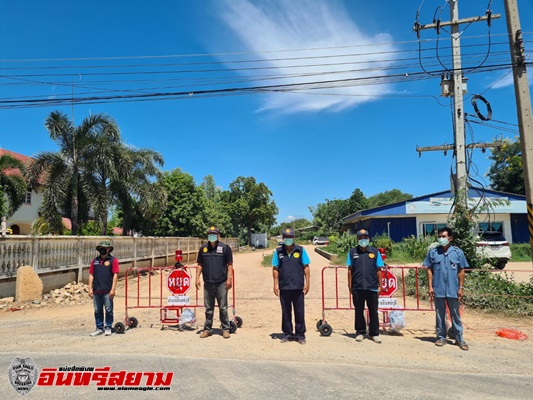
(179, 281)
(389, 283)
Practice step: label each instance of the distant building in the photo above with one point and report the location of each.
(422, 216)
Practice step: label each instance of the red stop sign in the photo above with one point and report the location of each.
(389, 283)
(179, 281)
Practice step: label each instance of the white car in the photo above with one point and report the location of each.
(320, 240)
(493, 246)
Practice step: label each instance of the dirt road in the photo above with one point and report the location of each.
(60, 329)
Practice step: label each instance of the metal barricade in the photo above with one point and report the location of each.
(165, 288)
(389, 302)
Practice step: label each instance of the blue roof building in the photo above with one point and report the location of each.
(424, 215)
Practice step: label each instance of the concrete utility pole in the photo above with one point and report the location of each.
(458, 106)
(458, 109)
(523, 104)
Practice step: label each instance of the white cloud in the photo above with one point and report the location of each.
(507, 80)
(504, 81)
(290, 218)
(303, 24)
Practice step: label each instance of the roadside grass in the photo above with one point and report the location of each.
(267, 260)
(521, 251)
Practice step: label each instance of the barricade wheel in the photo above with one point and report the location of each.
(120, 328)
(232, 327)
(325, 330)
(238, 321)
(318, 323)
(133, 322)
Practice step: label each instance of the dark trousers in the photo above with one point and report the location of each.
(218, 292)
(371, 299)
(292, 299)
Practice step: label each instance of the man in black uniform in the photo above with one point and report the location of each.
(215, 263)
(290, 271)
(103, 276)
(364, 281)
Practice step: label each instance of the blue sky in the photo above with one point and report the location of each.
(306, 141)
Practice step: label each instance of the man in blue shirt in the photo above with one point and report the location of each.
(290, 271)
(364, 282)
(445, 269)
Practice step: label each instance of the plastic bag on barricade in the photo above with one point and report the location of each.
(396, 320)
(187, 317)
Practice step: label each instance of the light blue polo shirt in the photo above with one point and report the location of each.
(445, 267)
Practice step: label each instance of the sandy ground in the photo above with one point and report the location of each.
(66, 329)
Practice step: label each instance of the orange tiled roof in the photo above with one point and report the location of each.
(27, 160)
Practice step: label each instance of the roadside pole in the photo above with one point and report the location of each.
(523, 104)
(457, 86)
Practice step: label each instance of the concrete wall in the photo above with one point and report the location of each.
(56, 280)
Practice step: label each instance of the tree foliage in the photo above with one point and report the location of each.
(13, 186)
(216, 211)
(463, 222)
(68, 182)
(297, 223)
(139, 200)
(329, 215)
(388, 197)
(506, 173)
(249, 204)
(93, 170)
(186, 204)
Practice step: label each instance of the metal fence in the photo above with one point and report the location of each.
(61, 253)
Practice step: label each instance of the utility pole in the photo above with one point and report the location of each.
(458, 109)
(523, 104)
(459, 146)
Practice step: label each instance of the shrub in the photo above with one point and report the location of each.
(267, 260)
(413, 248)
(521, 252)
(383, 241)
(486, 290)
(343, 244)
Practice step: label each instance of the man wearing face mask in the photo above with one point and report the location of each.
(103, 276)
(291, 274)
(215, 264)
(364, 282)
(445, 269)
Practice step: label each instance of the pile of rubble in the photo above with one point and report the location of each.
(71, 294)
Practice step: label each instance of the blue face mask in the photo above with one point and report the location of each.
(443, 241)
(288, 241)
(212, 237)
(363, 242)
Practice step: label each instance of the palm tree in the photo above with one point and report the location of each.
(131, 186)
(68, 181)
(12, 184)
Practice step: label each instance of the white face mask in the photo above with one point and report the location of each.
(212, 237)
(363, 242)
(443, 241)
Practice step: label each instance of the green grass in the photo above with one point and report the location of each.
(521, 252)
(267, 260)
